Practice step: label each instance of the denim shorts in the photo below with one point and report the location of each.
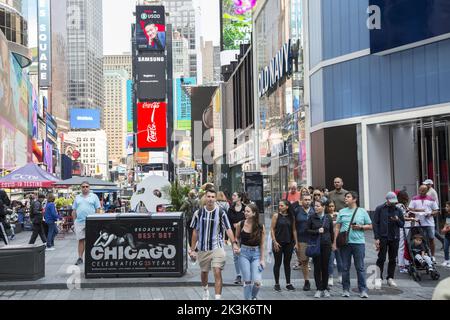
(429, 232)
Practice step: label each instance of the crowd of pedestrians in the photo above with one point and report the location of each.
(328, 228)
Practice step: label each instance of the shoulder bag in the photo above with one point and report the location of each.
(342, 238)
(313, 248)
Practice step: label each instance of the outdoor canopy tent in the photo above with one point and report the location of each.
(76, 181)
(28, 177)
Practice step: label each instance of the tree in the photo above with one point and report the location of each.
(177, 194)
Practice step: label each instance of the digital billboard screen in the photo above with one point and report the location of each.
(236, 23)
(151, 76)
(150, 28)
(152, 125)
(84, 119)
(402, 24)
(183, 102)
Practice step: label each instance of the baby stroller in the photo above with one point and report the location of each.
(414, 267)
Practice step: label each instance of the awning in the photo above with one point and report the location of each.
(28, 177)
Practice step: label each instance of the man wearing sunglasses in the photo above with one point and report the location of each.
(85, 204)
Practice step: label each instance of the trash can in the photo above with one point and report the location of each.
(135, 245)
(22, 263)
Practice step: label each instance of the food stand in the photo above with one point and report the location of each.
(135, 245)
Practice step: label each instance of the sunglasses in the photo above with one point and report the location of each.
(85, 187)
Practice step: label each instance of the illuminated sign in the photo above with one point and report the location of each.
(152, 125)
(150, 28)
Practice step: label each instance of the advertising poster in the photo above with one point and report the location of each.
(183, 102)
(254, 186)
(151, 76)
(84, 119)
(130, 144)
(150, 28)
(152, 125)
(129, 106)
(48, 156)
(140, 245)
(236, 23)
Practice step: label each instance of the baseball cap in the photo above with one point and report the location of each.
(391, 197)
(428, 181)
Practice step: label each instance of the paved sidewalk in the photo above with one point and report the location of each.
(60, 271)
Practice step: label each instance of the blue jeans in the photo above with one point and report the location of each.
(52, 232)
(358, 252)
(446, 248)
(249, 261)
(335, 254)
(236, 264)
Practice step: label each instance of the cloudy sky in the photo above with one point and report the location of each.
(118, 16)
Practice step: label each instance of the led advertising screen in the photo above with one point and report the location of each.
(84, 119)
(236, 23)
(402, 24)
(150, 28)
(129, 147)
(151, 76)
(152, 125)
(183, 102)
(129, 106)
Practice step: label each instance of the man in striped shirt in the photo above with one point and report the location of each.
(209, 224)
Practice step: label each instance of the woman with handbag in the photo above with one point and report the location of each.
(284, 237)
(320, 229)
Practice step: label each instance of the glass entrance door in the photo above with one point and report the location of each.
(434, 151)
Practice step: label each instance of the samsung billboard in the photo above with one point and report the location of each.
(151, 76)
(84, 119)
(397, 25)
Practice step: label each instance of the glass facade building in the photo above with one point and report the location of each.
(282, 116)
(85, 53)
(13, 21)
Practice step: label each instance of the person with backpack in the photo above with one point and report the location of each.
(321, 232)
(349, 237)
(236, 215)
(189, 206)
(284, 238)
(209, 224)
(4, 202)
(37, 218)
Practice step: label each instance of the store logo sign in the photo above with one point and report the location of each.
(279, 68)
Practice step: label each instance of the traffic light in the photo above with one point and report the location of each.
(110, 164)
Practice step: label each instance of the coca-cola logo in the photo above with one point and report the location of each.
(150, 105)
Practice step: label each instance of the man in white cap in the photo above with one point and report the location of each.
(431, 191)
(387, 221)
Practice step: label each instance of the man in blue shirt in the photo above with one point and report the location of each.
(356, 242)
(84, 205)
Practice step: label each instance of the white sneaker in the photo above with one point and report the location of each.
(391, 283)
(50, 249)
(433, 259)
(330, 282)
(364, 295)
(340, 279)
(327, 294)
(318, 294)
(205, 294)
(446, 263)
(346, 294)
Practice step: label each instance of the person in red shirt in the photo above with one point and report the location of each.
(293, 195)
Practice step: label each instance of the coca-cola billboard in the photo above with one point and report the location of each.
(152, 125)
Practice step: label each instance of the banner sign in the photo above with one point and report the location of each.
(236, 23)
(134, 244)
(85, 119)
(152, 125)
(150, 28)
(397, 25)
(44, 43)
(183, 101)
(151, 76)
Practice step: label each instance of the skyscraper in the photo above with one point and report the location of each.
(85, 53)
(115, 113)
(118, 62)
(181, 15)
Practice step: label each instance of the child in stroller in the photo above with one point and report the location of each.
(419, 256)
